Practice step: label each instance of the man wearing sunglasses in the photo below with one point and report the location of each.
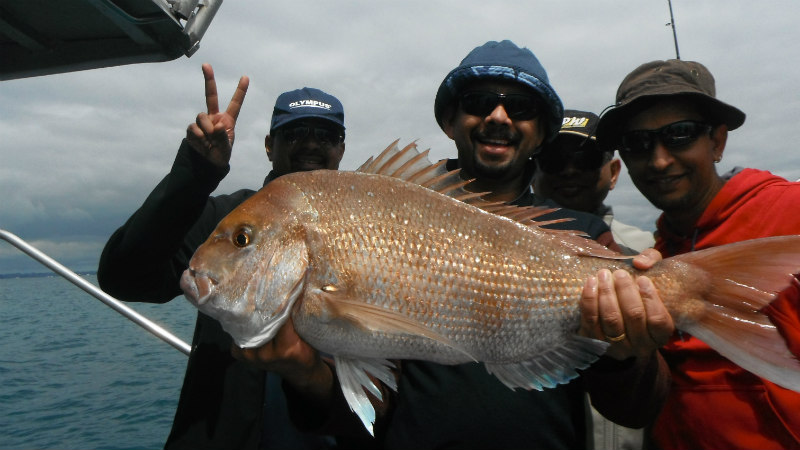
(500, 110)
(224, 403)
(499, 107)
(671, 131)
(577, 174)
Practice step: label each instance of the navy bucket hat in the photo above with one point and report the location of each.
(306, 103)
(506, 61)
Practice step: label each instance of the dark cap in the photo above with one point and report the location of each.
(579, 123)
(661, 79)
(306, 103)
(504, 61)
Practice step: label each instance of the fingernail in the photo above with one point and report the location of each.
(604, 276)
(621, 275)
(644, 284)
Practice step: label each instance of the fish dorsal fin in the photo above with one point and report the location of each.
(413, 166)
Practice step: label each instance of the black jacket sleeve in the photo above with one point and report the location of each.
(631, 392)
(221, 400)
(143, 260)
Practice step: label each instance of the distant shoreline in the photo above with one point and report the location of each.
(40, 274)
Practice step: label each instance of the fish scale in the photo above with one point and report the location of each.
(372, 267)
(487, 280)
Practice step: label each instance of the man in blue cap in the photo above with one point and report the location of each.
(497, 149)
(498, 107)
(225, 403)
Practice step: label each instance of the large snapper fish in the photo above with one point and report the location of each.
(397, 261)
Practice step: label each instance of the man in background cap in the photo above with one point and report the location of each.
(671, 131)
(498, 107)
(225, 403)
(575, 173)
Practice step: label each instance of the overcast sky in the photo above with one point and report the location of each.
(81, 151)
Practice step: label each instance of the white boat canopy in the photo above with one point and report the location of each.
(43, 37)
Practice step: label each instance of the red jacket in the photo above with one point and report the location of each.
(715, 404)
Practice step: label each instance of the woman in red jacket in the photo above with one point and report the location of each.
(671, 131)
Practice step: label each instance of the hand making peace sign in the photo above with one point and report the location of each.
(212, 133)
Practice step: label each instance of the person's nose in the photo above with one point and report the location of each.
(660, 157)
(570, 168)
(310, 140)
(499, 115)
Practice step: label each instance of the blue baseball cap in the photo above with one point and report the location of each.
(506, 61)
(306, 103)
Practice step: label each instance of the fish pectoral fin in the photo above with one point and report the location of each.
(551, 368)
(376, 318)
(354, 379)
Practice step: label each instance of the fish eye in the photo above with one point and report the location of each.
(241, 238)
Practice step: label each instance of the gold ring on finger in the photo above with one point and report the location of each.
(619, 338)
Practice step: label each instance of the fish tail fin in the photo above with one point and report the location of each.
(745, 277)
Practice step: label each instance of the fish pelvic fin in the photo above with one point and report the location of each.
(413, 166)
(745, 277)
(551, 368)
(354, 379)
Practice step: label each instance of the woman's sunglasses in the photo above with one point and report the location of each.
(517, 106)
(675, 136)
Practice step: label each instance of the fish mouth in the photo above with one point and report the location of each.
(198, 287)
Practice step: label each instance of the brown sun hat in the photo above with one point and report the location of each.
(659, 79)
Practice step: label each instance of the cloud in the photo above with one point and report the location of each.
(81, 151)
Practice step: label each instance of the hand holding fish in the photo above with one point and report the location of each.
(627, 313)
(288, 356)
(212, 133)
(371, 268)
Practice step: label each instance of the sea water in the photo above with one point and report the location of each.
(75, 374)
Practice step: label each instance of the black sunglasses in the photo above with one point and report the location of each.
(294, 134)
(554, 161)
(517, 106)
(675, 136)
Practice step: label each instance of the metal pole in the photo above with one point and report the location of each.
(110, 301)
(674, 33)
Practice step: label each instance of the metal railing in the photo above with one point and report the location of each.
(96, 292)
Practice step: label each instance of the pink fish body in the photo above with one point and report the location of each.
(373, 266)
